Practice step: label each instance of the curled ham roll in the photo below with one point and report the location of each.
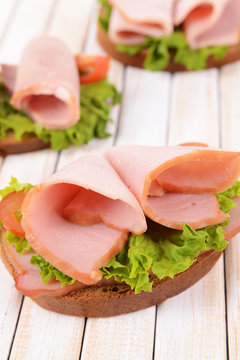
(80, 218)
(209, 22)
(177, 184)
(46, 83)
(131, 21)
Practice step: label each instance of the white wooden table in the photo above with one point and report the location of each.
(157, 109)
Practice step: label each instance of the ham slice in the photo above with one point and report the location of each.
(177, 184)
(233, 226)
(209, 22)
(205, 22)
(28, 279)
(46, 83)
(80, 247)
(9, 73)
(132, 21)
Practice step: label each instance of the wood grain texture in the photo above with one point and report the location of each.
(28, 21)
(46, 335)
(194, 108)
(6, 10)
(120, 337)
(145, 108)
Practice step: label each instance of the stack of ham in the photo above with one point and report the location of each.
(205, 22)
(82, 216)
(46, 83)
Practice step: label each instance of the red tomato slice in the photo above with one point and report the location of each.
(93, 68)
(9, 206)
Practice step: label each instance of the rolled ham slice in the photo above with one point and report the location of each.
(73, 232)
(209, 22)
(46, 83)
(132, 21)
(177, 184)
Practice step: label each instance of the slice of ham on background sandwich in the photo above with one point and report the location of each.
(45, 84)
(80, 244)
(170, 35)
(132, 21)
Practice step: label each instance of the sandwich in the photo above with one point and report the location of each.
(54, 99)
(173, 35)
(112, 234)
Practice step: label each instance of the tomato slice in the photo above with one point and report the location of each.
(9, 208)
(92, 68)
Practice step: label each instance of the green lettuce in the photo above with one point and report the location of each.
(49, 272)
(164, 252)
(105, 14)
(14, 185)
(95, 109)
(161, 50)
(21, 244)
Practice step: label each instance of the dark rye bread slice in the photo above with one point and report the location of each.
(10, 145)
(137, 60)
(118, 298)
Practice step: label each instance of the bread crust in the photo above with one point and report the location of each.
(233, 54)
(117, 299)
(10, 145)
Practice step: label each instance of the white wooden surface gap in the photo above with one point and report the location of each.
(157, 109)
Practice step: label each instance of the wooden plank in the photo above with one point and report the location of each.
(34, 321)
(132, 336)
(70, 22)
(46, 335)
(192, 325)
(230, 110)
(194, 110)
(143, 118)
(18, 33)
(121, 337)
(6, 12)
(29, 21)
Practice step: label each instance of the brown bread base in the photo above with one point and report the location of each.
(119, 299)
(10, 145)
(137, 60)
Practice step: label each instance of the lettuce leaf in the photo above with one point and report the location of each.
(161, 50)
(21, 244)
(105, 14)
(14, 185)
(96, 100)
(165, 252)
(49, 272)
